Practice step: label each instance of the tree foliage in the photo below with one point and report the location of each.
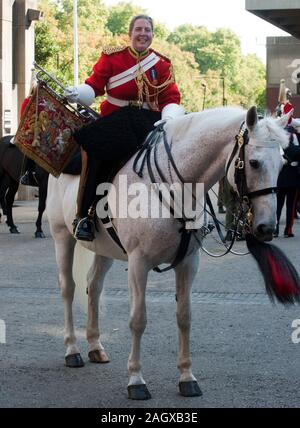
(225, 72)
(120, 17)
(209, 66)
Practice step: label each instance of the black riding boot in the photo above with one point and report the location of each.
(29, 178)
(84, 227)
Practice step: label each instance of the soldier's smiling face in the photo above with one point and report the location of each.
(141, 35)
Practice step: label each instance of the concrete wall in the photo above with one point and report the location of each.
(283, 62)
(16, 59)
(7, 107)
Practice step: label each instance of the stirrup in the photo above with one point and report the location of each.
(85, 229)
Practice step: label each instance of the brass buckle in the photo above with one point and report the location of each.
(241, 140)
(135, 103)
(239, 164)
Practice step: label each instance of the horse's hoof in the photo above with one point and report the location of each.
(138, 392)
(74, 360)
(39, 234)
(190, 389)
(13, 229)
(99, 357)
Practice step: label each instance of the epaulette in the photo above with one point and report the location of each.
(109, 50)
(161, 56)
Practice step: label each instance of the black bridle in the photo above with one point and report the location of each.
(240, 178)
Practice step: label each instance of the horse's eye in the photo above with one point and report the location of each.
(254, 163)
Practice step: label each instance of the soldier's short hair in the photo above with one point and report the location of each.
(135, 18)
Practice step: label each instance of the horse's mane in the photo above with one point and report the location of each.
(266, 130)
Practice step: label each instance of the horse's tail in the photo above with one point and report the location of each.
(281, 278)
(83, 259)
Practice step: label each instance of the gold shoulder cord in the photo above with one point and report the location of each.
(143, 84)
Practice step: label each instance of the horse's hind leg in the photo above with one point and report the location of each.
(95, 279)
(64, 250)
(137, 279)
(185, 274)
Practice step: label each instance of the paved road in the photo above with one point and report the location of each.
(242, 351)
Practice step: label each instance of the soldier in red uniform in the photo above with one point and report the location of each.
(140, 92)
(288, 106)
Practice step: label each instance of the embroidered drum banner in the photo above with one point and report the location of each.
(45, 133)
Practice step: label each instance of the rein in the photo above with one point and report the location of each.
(245, 197)
(151, 144)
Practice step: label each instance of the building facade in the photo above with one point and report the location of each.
(17, 19)
(283, 53)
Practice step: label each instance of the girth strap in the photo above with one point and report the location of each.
(181, 252)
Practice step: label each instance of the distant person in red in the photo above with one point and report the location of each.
(288, 106)
(29, 178)
(289, 178)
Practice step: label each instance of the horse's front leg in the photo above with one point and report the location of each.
(95, 280)
(9, 201)
(137, 280)
(43, 183)
(64, 250)
(185, 274)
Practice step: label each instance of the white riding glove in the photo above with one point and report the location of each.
(80, 94)
(170, 111)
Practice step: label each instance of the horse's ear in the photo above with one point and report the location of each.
(251, 119)
(284, 119)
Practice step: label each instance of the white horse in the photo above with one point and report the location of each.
(201, 145)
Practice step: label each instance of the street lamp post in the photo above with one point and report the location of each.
(204, 95)
(222, 79)
(224, 101)
(75, 37)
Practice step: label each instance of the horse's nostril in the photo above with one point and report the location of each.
(264, 229)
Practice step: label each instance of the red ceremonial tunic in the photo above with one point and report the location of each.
(287, 108)
(112, 64)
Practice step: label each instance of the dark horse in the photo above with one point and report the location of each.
(11, 169)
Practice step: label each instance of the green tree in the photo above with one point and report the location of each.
(213, 51)
(205, 63)
(54, 36)
(120, 16)
(226, 73)
(186, 74)
(46, 43)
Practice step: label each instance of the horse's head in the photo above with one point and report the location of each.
(255, 168)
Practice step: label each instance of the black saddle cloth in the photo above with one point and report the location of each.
(74, 166)
(118, 135)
